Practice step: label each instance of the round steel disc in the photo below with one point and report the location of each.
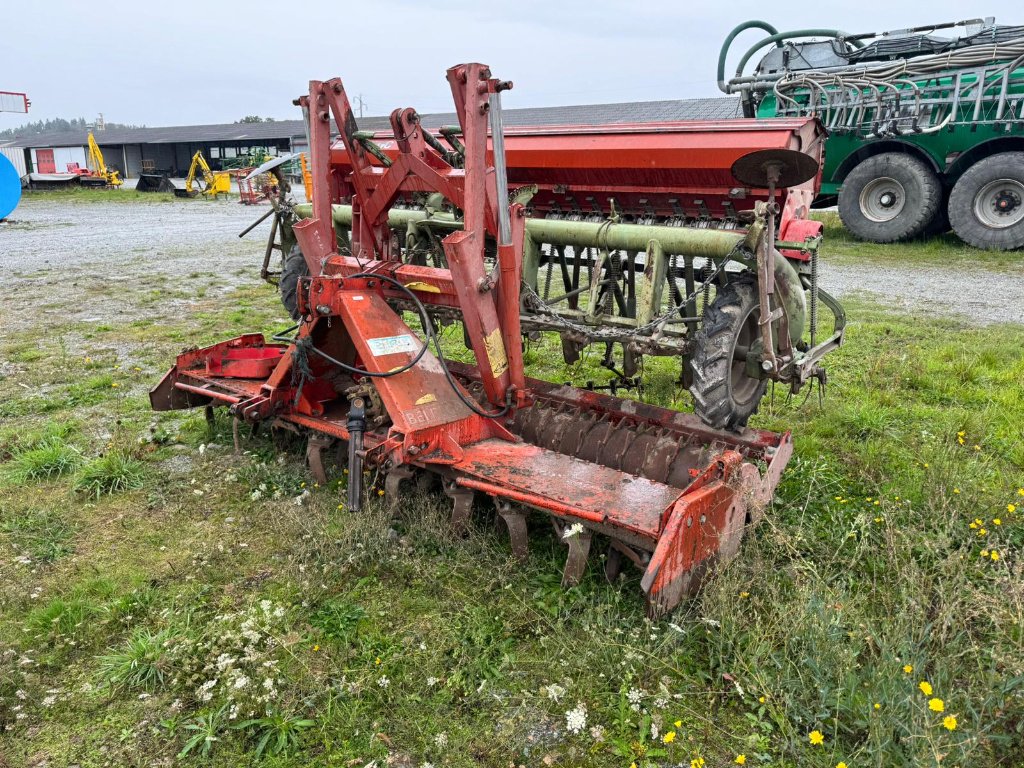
(794, 168)
(10, 187)
(270, 165)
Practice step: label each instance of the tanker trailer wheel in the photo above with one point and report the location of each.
(986, 206)
(293, 268)
(724, 394)
(889, 198)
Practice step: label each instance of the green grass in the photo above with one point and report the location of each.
(385, 637)
(945, 251)
(91, 196)
(114, 472)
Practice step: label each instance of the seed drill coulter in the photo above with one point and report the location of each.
(683, 239)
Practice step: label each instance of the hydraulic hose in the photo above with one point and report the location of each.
(752, 24)
(777, 38)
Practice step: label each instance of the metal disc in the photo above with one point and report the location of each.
(794, 168)
(270, 165)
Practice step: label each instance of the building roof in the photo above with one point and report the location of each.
(580, 114)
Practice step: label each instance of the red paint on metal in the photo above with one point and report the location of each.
(684, 525)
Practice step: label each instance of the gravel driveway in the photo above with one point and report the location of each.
(50, 242)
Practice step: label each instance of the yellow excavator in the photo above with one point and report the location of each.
(216, 182)
(99, 175)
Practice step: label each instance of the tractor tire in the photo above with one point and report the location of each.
(986, 206)
(724, 395)
(294, 267)
(889, 198)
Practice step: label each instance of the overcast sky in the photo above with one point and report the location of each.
(186, 62)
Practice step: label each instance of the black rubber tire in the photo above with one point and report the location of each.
(962, 215)
(922, 190)
(724, 396)
(294, 267)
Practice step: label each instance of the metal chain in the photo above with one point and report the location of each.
(535, 303)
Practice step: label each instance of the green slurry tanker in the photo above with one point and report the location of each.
(925, 125)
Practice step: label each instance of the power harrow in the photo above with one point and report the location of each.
(684, 239)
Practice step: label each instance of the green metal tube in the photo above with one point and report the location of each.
(706, 243)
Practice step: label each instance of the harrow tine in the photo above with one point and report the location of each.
(579, 550)
(462, 506)
(315, 447)
(515, 522)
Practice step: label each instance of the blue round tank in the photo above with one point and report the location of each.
(10, 187)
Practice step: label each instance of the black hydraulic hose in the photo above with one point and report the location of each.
(428, 329)
(723, 54)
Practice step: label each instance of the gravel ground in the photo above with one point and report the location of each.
(51, 245)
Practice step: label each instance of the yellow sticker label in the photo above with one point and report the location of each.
(416, 285)
(496, 352)
(428, 398)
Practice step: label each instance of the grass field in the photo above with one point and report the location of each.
(168, 602)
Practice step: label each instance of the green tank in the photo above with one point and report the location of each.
(925, 125)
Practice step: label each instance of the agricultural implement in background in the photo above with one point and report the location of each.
(204, 180)
(426, 224)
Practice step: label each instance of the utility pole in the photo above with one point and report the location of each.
(360, 104)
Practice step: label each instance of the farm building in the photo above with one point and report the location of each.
(131, 150)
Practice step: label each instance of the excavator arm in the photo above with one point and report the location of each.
(98, 166)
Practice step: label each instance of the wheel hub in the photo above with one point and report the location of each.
(1000, 203)
(882, 199)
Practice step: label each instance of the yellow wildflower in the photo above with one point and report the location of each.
(994, 555)
(877, 705)
(761, 699)
(974, 526)
(377, 662)
(956, 490)
(316, 647)
(982, 532)
(1020, 491)
(984, 553)
(744, 595)
(669, 737)
(936, 705)
(740, 759)
(926, 687)
(678, 723)
(840, 764)
(949, 723)
(817, 738)
(1011, 508)
(907, 668)
(697, 762)
(997, 521)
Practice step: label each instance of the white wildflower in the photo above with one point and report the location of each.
(432, 681)
(21, 694)
(268, 684)
(256, 495)
(555, 692)
(301, 498)
(573, 530)
(597, 733)
(441, 740)
(241, 682)
(202, 449)
(49, 701)
(655, 730)
(383, 682)
(576, 719)
(143, 696)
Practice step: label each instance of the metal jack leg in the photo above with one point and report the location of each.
(356, 427)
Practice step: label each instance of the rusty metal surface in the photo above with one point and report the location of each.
(670, 493)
